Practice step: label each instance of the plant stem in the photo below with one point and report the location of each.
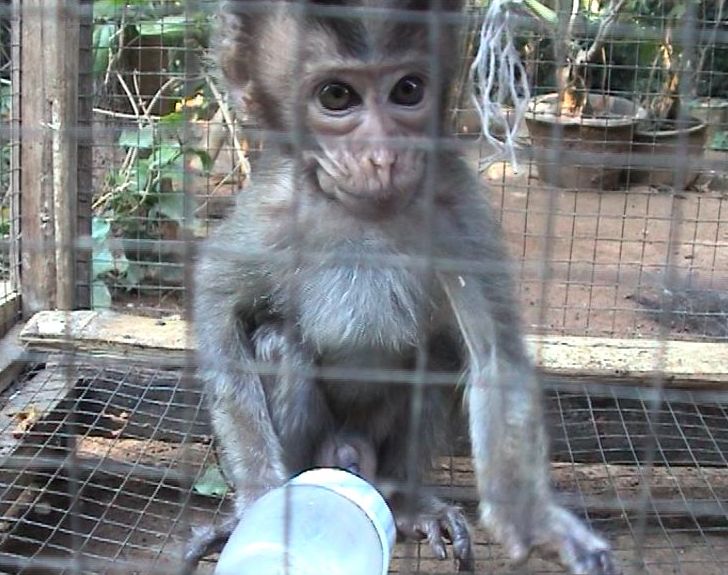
(615, 7)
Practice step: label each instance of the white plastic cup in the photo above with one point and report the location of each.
(322, 521)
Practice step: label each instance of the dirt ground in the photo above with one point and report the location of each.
(606, 246)
(603, 248)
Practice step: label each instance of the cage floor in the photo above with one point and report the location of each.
(99, 466)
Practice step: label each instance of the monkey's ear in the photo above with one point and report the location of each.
(232, 41)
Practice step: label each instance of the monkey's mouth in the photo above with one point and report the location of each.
(375, 195)
(362, 197)
(361, 184)
(378, 201)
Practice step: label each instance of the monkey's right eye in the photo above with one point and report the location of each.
(337, 96)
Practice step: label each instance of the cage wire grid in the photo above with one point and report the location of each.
(103, 460)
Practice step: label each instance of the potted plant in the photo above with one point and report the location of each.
(595, 128)
(670, 142)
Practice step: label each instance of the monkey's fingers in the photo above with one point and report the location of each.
(580, 550)
(447, 524)
(456, 527)
(430, 529)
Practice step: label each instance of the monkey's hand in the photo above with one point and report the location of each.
(554, 531)
(437, 522)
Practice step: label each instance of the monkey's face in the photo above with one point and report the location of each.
(369, 124)
(367, 93)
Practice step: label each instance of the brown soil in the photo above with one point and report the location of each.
(604, 248)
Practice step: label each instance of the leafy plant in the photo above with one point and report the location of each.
(143, 196)
(677, 63)
(578, 38)
(720, 141)
(104, 262)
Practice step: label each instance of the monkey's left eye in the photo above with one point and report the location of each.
(409, 91)
(338, 96)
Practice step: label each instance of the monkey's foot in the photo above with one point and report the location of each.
(556, 532)
(439, 524)
(206, 540)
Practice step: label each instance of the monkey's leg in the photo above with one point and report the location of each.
(249, 449)
(422, 516)
(297, 406)
(239, 436)
(509, 443)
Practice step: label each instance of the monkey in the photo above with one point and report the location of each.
(365, 244)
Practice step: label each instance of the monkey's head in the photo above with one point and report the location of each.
(363, 83)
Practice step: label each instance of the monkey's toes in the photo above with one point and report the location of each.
(448, 524)
(596, 563)
(580, 550)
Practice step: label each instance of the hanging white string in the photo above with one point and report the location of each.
(500, 78)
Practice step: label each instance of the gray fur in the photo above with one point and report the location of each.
(305, 276)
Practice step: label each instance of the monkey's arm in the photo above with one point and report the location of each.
(509, 442)
(228, 288)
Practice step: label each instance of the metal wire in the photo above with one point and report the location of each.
(101, 461)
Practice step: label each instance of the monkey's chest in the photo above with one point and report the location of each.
(344, 308)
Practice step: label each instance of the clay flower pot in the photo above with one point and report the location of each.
(659, 149)
(713, 112)
(582, 152)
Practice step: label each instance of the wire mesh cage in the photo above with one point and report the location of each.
(122, 150)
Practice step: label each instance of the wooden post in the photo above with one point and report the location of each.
(37, 257)
(64, 22)
(49, 37)
(10, 309)
(84, 192)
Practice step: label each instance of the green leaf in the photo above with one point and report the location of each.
(103, 33)
(173, 119)
(121, 263)
(138, 182)
(542, 11)
(175, 173)
(100, 229)
(141, 138)
(720, 141)
(100, 295)
(6, 99)
(165, 154)
(205, 159)
(170, 206)
(168, 27)
(102, 262)
(211, 483)
(134, 274)
(108, 9)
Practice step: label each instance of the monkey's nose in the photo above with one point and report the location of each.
(382, 164)
(383, 159)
